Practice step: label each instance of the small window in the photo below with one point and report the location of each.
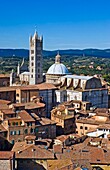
(18, 132)
(16, 123)
(38, 70)
(32, 51)
(13, 123)
(81, 127)
(14, 132)
(17, 94)
(38, 76)
(11, 132)
(26, 131)
(32, 64)
(38, 64)
(31, 130)
(32, 70)
(13, 142)
(86, 128)
(31, 76)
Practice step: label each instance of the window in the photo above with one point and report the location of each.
(38, 70)
(11, 132)
(14, 132)
(32, 70)
(17, 101)
(13, 123)
(38, 76)
(13, 142)
(17, 94)
(16, 123)
(20, 122)
(29, 124)
(86, 128)
(32, 51)
(18, 132)
(38, 64)
(31, 130)
(5, 135)
(75, 97)
(31, 76)
(81, 127)
(36, 130)
(26, 131)
(32, 64)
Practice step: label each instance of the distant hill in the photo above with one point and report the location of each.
(73, 52)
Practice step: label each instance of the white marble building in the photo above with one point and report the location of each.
(83, 88)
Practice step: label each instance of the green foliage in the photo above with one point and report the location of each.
(75, 64)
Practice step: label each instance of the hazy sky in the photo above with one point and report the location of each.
(64, 24)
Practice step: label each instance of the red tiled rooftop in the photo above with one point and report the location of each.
(45, 86)
(104, 126)
(30, 151)
(25, 116)
(29, 105)
(6, 155)
(88, 121)
(58, 164)
(3, 106)
(4, 101)
(8, 111)
(46, 121)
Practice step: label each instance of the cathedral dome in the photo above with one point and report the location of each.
(58, 68)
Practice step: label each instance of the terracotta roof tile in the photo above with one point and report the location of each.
(25, 116)
(6, 154)
(58, 164)
(45, 86)
(31, 151)
(4, 101)
(8, 111)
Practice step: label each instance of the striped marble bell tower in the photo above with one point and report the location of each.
(36, 59)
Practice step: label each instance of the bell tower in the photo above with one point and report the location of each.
(35, 59)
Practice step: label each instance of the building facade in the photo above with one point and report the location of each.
(82, 88)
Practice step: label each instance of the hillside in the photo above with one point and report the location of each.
(71, 52)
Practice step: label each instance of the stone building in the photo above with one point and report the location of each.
(56, 71)
(24, 94)
(64, 117)
(82, 88)
(7, 160)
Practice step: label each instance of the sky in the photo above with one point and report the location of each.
(64, 24)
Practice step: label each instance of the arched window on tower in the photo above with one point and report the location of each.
(32, 64)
